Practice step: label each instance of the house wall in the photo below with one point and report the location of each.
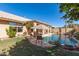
(3, 28)
(45, 31)
(21, 33)
(56, 30)
(76, 28)
(5, 25)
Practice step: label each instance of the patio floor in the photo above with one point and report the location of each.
(39, 42)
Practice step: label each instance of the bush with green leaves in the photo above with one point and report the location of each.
(10, 32)
(77, 35)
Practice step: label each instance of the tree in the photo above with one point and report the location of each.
(69, 23)
(28, 25)
(71, 11)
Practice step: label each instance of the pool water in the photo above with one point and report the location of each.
(51, 38)
(65, 41)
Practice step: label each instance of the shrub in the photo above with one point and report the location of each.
(77, 35)
(10, 32)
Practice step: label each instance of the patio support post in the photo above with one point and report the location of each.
(59, 33)
(48, 31)
(16, 28)
(43, 31)
(65, 29)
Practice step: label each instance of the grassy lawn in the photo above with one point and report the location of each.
(21, 47)
(6, 44)
(25, 48)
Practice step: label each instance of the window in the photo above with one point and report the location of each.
(19, 29)
(12, 23)
(15, 27)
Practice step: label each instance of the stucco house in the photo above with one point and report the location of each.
(45, 28)
(8, 19)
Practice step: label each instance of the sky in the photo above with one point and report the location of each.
(45, 12)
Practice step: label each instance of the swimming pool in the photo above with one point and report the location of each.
(65, 41)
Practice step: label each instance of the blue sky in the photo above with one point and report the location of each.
(48, 13)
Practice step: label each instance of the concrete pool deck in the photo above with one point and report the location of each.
(39, 42)
(44, 42)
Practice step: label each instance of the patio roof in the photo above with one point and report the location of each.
(12, 20)
(11, 17)
(39, 27)
(41, 23)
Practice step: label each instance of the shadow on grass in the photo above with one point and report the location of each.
(25, 48)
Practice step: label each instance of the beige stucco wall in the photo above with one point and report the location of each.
(3, 28)
(56, 30)
(3, 33)
(49, 29)
(21, 33)
(76, 28)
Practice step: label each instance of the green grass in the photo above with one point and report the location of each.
(20, 47)
(25, 48)
(6, 44)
